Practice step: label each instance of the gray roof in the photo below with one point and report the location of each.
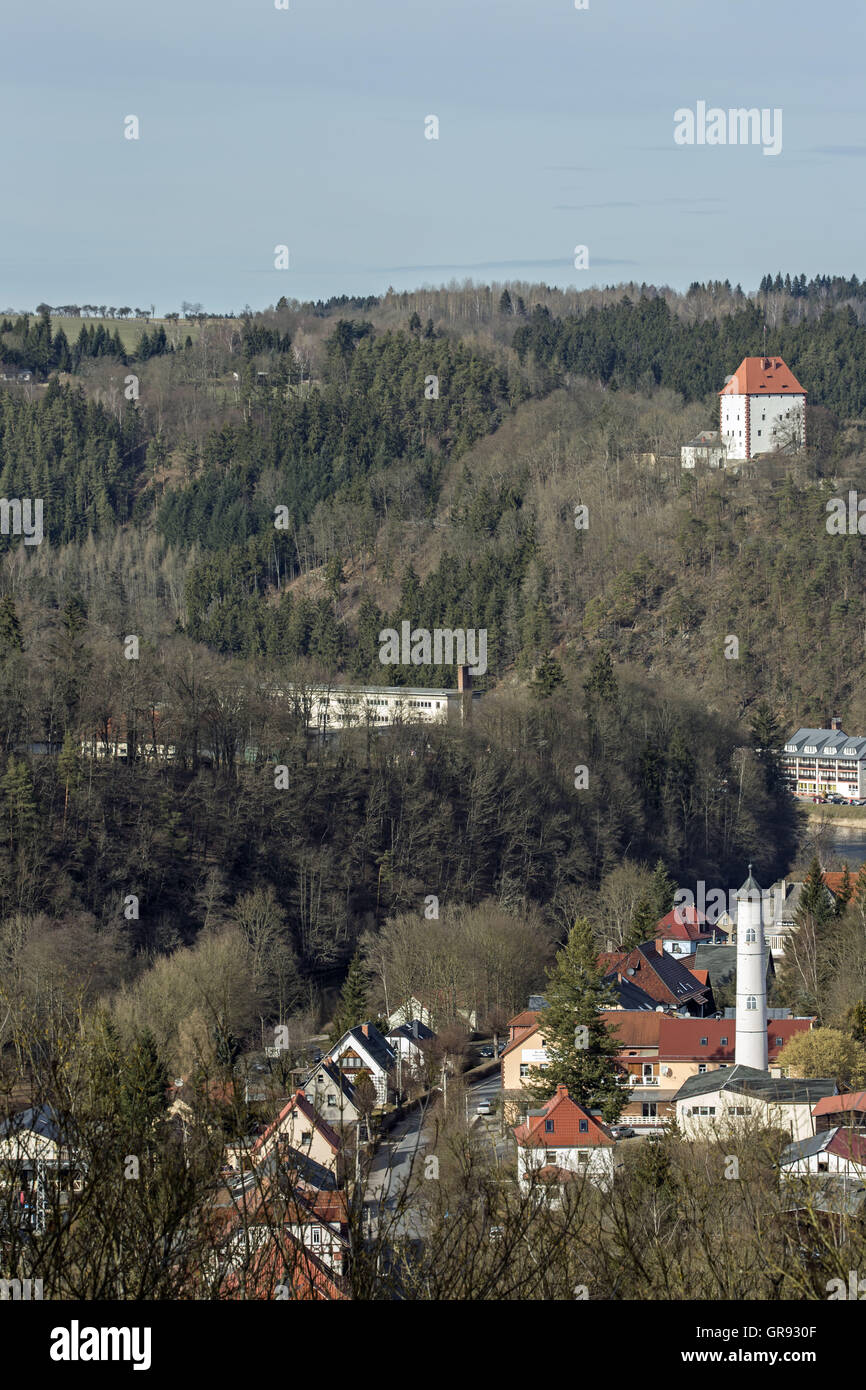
(805, 1148)
(827, 742)
(720, 962)
(414, 1030)
(750, 1081)
(537, 1002)
(751, 889)
(833, 1196)
(373, 1043)
(41, 1120)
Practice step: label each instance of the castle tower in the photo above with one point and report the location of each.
(751, 1049)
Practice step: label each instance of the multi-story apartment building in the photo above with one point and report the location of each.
(818, 761)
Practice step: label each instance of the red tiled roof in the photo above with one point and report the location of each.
(680, 1038)
(830, 1105)
(685, 923)
(633, 1027)
(768, 376)
(566, 1115)
(656, 972)
(527, 1019)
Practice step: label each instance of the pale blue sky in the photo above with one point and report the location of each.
(306, 127)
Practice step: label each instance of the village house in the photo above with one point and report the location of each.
(434, 1011)
(706, 450)
(301, 1139)
(683, 928)
(332, 1094)
(661, 976)
(833, 1151)
(847, 1110)
(563, 1139)
(364, 1051)
(743, 1096)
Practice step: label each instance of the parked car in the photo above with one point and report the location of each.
(486, 1050)
(623, 1132)
(484, 1107)
(501, 1048)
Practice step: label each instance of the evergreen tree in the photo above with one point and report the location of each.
(643, 925)
(354, 1006)
(581, 1051)
(546, 677)
(19, 802)
(10, 627)
(663, 891)
(144, 1083)
(766, 737)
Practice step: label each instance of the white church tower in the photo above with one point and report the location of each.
(751, 1049)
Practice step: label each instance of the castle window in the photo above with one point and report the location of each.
(751, 1002)
(750, 935)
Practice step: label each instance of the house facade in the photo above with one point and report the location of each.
(364, 1051)
(561, 1140)
(741, 1097)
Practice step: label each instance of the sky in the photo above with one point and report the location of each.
(305, 127)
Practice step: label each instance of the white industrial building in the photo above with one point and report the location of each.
(762, 410)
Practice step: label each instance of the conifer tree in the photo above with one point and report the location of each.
(581, 1051)
(354, 1005)
(663, 890)
(19, 802)
(10, 627)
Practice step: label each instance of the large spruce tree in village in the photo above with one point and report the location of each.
(580, 1048)
(354, 1004)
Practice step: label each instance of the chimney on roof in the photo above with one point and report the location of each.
(464, 679)
(562, 1090)
(365, 1029)
(835, 724)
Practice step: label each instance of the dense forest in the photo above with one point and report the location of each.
(281, 486)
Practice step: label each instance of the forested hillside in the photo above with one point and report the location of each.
(423, 457)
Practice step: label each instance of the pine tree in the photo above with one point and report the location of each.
(354, 1005)
(19, 802)
(643, 925)
(580, 1049)
(663, 890)
(10, 627)
(546, 677)
(144, 1084)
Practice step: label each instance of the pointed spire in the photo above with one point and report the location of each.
(750, 887)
